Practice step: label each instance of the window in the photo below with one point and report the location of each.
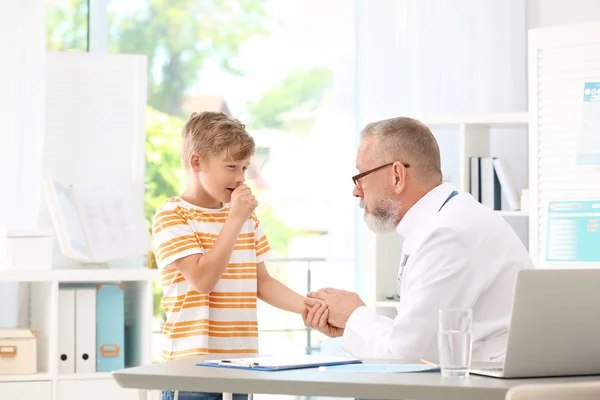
(67, 25)
(286, 72)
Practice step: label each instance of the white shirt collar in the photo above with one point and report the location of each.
(425, 207)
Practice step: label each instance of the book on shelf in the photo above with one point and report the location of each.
(507, 184)
(490, 185)
(489, 178)
(96, 222)
(475, 177)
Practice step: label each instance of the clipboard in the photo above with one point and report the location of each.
(279, 363)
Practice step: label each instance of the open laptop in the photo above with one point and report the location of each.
(555, 325)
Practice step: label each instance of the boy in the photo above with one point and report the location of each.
(210, 250)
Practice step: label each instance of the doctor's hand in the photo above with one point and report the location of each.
(340, 304)
(315, 317)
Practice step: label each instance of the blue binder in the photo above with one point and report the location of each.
(110, 327)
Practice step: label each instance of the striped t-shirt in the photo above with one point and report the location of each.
(224, 320)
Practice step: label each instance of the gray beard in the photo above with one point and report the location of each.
(384, 217)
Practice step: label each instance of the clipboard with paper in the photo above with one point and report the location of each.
(279, 363)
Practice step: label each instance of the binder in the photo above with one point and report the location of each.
(110, 328)
(66, 325)
(475, 177)
(85, 330)
(277, 363)
(490, 185)
(507, 183)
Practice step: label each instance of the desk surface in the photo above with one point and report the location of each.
(184, 375)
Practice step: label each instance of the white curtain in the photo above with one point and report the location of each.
(22, 100)
(418, 57)
(437, 56)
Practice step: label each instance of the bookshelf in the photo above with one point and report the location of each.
(39, 307)
(106, 93)
(460, 137)
(475, 139)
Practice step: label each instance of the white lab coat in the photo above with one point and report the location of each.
(464, 256)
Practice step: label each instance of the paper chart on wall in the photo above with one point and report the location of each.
(588, 146)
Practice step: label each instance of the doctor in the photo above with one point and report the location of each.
(456, 253)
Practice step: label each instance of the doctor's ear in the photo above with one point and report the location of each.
(398, 176)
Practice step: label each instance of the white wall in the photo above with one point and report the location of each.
(22, 40)
(430, 57)
(379, 70)
(545, 13)
(22, 43)
(435, 56)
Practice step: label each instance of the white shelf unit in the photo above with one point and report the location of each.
(474, 135)
(41, 376)
(387, 304)
(38, 304)
(513, 213)
(460, 137)
(505, 120)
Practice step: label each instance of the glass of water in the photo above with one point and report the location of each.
(454, 341)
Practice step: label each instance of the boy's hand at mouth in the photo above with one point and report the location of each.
(243, 202)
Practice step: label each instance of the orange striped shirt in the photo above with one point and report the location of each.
(224, 320)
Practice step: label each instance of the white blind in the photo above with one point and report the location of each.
(561, 61)
(95, 122)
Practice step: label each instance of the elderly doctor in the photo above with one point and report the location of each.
(456, 253)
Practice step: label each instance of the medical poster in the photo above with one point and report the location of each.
(588, 148)
(573, 233)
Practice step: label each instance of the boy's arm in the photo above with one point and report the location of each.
(271, 291)
(203, 271)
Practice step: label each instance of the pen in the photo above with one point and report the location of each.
(431, 364)
(240, 364)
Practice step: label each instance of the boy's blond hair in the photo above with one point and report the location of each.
(210, 133)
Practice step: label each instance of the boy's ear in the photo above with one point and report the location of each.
(195, 162)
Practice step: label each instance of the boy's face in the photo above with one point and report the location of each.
(220, 175)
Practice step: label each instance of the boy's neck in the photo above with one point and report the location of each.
(196, 195)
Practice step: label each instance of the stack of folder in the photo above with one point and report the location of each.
(91, 328)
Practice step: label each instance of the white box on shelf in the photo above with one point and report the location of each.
(26, 249)
(18, 351)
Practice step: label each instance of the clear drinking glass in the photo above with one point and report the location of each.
(454, 341)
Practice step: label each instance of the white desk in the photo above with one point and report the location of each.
(184, 375)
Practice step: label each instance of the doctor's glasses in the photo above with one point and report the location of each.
(356, 178)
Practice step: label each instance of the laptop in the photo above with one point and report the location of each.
(555, 325)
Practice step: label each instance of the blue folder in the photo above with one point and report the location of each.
(383, 368)
(279, 363)
(110, 327)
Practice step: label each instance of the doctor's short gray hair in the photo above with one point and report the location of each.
(408, 141)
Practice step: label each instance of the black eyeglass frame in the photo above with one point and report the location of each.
(356, 178)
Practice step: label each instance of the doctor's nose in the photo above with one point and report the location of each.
(356, 192)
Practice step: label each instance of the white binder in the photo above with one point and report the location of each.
(66, 324)
(85, 330)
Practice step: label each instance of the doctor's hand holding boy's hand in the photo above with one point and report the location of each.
(243, 203)
(316, 315)
(340, 304)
